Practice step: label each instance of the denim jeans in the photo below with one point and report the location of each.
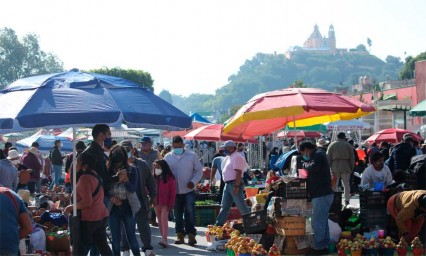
(123, 214)
(320, 208)
(185, 207)
(142, 222)
(57, 173)
(34, 186)
(230, 197)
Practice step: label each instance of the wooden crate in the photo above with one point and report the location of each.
(290, 226)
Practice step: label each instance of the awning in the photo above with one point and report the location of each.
(391, 96)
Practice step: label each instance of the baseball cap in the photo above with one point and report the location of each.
(126, 143)
(146, 139)
(229, 143)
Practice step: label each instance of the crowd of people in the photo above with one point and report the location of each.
(124, 188)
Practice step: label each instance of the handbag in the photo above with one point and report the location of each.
(58, 240)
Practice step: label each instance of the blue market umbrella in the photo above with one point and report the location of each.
(76, 98)
(79, 99)
(46, 142)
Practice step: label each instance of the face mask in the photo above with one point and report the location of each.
(60, 145)
(178, 151)
(306, 158)
(226, 152)
(129, 154)
(15, 162)
(158, 172)
(107, 142)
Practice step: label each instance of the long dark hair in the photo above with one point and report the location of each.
(166, 170)
(118, 154)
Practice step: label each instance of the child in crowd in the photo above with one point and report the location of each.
(377, 172)
(166, 194)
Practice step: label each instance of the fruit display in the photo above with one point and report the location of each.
(417, 247)
(201, 188)
(388, 243)
(273, 251)
(416, 243)
(402, 244)
(258, 250)
(222, 232)
(371, 244)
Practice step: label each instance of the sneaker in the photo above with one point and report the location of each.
(153, 223)
(149, 253)
(126, 253)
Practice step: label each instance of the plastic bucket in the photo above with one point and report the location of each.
(378, 186)
(251, 191)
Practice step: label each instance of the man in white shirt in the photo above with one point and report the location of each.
(187, 169)
(377, 171)
(233, 167)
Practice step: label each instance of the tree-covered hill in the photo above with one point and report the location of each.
(266, 72)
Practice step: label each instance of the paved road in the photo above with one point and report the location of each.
(200, 248)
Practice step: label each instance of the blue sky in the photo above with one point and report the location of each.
(193, 46)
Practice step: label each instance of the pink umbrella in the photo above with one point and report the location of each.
(271, 111)
(392, 135)
(195, 125)
(214, 133)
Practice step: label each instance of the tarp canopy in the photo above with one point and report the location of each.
(419, 109)
(198, 118)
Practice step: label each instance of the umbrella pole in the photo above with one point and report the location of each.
(75, 219)
(295, 132)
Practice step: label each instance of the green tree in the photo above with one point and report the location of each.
(140, 77)
(223, 118)
(299, 84)
(23, 58)
(165, 95)
(410, 62)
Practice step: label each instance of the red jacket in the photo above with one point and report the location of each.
(166, 192)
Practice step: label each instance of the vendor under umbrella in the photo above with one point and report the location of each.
(409, 210)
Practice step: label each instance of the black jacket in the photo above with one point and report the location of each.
(401, 155)
(55, 156)
(101, 168)
(319, 177)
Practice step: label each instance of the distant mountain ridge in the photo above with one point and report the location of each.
(267, 72)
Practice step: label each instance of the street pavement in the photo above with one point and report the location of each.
(200, 247)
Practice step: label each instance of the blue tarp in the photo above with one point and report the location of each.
(198, 118)
(46, 142)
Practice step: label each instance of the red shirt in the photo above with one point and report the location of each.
(272, 179)
(86, 185)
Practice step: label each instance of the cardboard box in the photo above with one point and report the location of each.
(290, 226)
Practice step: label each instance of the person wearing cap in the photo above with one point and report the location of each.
(342, 162)
(319, 188)
(402, 153)
(31, 160)
(23, 172)
(233, 167)
(322, 144)
(187, 169)
(8, 172)
(408, 208)
(149, 154)
(146, 187)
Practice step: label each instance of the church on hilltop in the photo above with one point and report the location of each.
(318, 42)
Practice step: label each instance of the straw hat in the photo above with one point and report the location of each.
(24, 195)
(322, 142)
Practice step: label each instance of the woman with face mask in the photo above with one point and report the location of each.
(166, 195)
(125, 203)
